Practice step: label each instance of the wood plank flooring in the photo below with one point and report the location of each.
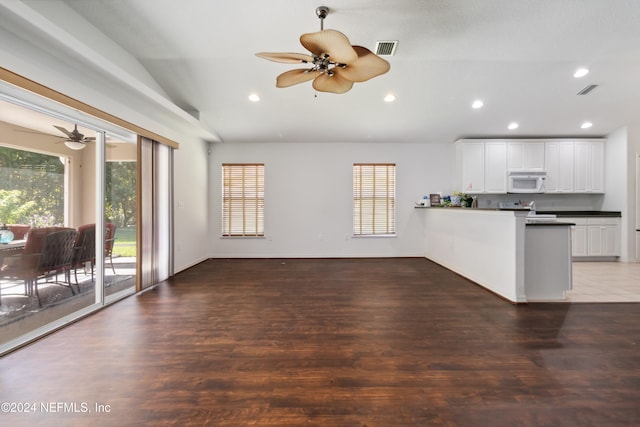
(331, 342)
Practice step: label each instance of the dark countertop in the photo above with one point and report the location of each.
(550, 223)
(560, 214)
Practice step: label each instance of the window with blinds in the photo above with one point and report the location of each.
(374, 199)
(243, 200)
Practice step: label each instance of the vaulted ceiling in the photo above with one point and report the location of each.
(196, 60)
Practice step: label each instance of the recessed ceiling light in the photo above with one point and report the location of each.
(512, 126)
(586, 125)
(254, 97)
(389, 98)
(477, 104)
(580, 72)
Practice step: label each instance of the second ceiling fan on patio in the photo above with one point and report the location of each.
(73, 139)
(76, 140)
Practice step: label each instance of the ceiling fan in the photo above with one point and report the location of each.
(336, 64)
(76, 141)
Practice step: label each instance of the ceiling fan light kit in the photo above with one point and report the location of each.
(335, 64)
(75, 145)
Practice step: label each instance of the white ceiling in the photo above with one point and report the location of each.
(518, 56)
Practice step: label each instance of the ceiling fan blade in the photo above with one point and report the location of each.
(331, 42)
(36, 132)
(63, 130)
(285, 57)
(293, 77)
(333, 84)
(368, 66)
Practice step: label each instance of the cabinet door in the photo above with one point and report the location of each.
(610, 240)
(595, 168)
(581, 167)
(515, 156)
(534, 156)
(594, 243)
(472, 167)
(495, 167)
(559, 166)
(589, 167)
(565, 172)
(525, 156)
(579, 240)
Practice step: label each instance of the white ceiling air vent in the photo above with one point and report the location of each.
(588, 88)
(386, 47)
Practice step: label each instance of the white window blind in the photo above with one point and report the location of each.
(374, 199)
(243, 199)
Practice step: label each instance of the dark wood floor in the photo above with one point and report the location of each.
(323, 342)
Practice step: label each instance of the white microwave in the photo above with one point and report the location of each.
(526, 181)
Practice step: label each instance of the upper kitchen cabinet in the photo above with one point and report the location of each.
(574, 166)
(559, 165)
(589, 166)
(525, 156)
(481, 166)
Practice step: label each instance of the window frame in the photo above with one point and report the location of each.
(229, 226)
(360, 227)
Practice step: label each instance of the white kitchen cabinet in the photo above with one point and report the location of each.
(482, 166)
(572, 165)
(495, 167)
(588, 167)
(525, 156)
(595, 236)
(471, 165)
(559, 164)
(578, 236)
(604, 236)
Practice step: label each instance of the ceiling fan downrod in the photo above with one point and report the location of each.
(323, 63)
(322, 12)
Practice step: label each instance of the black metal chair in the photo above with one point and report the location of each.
(56, 257)
(85, 250)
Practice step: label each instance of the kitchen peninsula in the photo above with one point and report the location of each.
(501, 251)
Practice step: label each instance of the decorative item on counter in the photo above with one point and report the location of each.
(445, 201)
(6, 235)
(424, 202)
(455, 200)
(435, 199)
(465, 199)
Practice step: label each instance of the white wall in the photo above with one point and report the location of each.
(308, 197)
(191, 209)
(618, 188)
(633, 135)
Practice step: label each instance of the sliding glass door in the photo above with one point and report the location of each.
(68, 197)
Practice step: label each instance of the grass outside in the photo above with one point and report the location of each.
(125, 243)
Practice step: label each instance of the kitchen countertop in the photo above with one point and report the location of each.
(582, 213)
(559, 214)
(550, 223)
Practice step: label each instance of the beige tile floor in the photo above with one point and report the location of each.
(605, 282)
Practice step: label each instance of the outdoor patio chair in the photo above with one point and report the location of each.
(56, 257)
(109, 242)
(85, 250)
(23, 266)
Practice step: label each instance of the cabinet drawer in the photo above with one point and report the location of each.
(576, 221)
(603, 221)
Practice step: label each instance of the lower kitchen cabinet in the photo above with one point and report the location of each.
(595, 237)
